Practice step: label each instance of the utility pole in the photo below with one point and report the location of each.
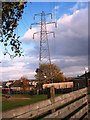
(44, 55)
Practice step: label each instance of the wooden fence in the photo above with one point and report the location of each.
(66, 106)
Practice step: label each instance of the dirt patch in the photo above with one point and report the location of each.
(21, 98)
(14, 98)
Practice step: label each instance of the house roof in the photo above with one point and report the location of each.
(88, 75)
(17, 83)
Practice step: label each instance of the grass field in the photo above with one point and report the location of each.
(20, 100)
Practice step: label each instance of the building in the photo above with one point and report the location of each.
(24, 85)
(59, 85)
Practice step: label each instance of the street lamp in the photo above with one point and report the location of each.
(45, 76)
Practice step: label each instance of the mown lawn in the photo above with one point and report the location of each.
(21, 100)
(17, 100)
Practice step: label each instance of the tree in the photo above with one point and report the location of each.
(11, 14)
(48, 73)
(25, 83)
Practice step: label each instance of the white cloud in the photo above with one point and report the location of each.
(74, 71)
(71, 35)
(74, 65)
(74, 22)
(28, 36)
(18, 67)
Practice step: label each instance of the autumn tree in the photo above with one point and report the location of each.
(48, 73)
(25, 83)
(11, 14)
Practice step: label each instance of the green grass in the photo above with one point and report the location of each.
(10, 104)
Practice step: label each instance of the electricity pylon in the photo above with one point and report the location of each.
(44, 56)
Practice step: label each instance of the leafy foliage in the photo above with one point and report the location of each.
(11, 14)
(25, 83)
(48, 73)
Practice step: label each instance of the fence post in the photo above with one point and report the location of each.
(52, 96)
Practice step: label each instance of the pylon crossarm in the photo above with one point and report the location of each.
(36, 15)
(35, 33)
(52, 23)
(34, 24)
(52, 33)
(49, 14)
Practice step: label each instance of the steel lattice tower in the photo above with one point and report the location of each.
(44, 56)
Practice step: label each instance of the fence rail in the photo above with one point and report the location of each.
(72, 105)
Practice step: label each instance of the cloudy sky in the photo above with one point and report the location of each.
(69, 48)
